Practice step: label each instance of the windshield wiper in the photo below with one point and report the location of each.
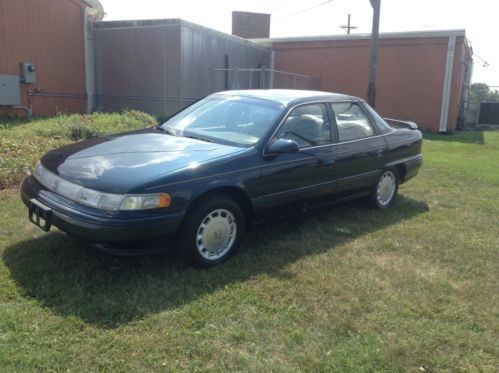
(172, 133)
(166, 130)
(198, 138)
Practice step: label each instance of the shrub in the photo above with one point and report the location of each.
(81, 132)
(22, 144)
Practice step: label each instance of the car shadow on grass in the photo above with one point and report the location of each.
(72, 279)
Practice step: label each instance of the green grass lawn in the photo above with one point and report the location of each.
(415, 287)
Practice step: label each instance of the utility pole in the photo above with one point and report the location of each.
(347, 26)
(371, 88)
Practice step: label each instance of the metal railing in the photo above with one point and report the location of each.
(236, 78)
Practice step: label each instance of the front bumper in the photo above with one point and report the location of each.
(100, 226)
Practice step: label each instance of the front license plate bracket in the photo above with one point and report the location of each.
(39, 214)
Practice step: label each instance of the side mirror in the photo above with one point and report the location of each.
(281, 146)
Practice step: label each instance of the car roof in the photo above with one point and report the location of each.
(289, 96)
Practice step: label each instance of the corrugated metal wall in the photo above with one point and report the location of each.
(50, 35)
(137, 66)
(161, 66)
(204, 50)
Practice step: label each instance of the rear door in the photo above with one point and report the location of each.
(359, 147)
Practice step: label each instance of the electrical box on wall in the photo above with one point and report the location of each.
(29, 72)
(10, 92)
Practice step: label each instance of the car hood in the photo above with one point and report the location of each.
(120, 163)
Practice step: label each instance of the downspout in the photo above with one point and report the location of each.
(444, 112)
(468, 65)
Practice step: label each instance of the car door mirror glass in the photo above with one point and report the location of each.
(280, 146)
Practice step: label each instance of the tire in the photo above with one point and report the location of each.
(384, 192)
(212, 231)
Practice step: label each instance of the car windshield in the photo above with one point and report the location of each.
(239, 121)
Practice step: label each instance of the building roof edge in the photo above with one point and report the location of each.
(384, 35)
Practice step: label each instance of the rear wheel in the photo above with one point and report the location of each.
(212, 231)
(384, 192)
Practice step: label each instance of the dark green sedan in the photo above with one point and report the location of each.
(229, 160)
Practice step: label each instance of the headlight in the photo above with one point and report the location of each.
(145, 201)
(93, 198)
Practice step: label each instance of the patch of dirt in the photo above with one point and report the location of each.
(7, 193)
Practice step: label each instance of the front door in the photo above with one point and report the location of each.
(289, 178)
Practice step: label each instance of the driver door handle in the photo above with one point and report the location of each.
(325, 162)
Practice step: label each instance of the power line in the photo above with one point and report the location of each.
(278, 7)
(303, 11)
(484, 63)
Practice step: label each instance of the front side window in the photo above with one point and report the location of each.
(239, 121)
(351, 121)
(308, 125)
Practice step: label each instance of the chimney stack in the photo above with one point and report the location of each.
(251, 25)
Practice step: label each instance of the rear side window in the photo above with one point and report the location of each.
(379, 122)
(351, 121)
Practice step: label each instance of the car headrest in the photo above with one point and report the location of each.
(306, 127)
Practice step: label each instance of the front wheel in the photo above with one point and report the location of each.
(212, 231)
(384, 192)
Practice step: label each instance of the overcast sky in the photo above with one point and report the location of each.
(291, 18)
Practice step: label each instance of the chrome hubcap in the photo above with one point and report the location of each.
(386, 188)
(216, 234)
